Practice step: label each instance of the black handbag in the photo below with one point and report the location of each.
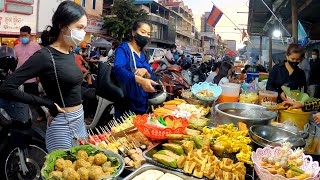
(107, 84)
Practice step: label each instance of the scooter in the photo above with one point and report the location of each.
(174, 77)
(22, 148)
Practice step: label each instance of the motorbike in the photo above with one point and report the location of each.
(22, 148)
(175, 77)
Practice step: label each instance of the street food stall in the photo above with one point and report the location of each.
(195, 137)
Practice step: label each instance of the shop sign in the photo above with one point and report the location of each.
(17, 13)
(95, 27)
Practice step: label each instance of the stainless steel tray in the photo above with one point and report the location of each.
(148, 155)
(147, 167)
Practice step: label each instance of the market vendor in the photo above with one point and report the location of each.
(306, 106)
(133, 71)
(288, 73)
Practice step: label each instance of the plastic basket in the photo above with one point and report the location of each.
(155, 132)
(215, 89)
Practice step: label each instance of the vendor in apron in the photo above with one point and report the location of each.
(133, 71)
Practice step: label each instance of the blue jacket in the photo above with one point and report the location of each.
(124, 71)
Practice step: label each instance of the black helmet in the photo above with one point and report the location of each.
(7, 60)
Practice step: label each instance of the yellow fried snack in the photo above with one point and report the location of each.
(82, 155)
(100, 158)
(55, 174)
(84, 173)
(91, 160)
(70, 174)
(230, 139)
(60, 165)
(95, 172)
(82, 163)
(68, 163)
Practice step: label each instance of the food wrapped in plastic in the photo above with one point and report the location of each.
(249, 97)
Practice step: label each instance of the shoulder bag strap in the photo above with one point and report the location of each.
(56, 76)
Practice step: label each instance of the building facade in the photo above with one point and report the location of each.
(163, 30)
(13, 15)
(183, 19)
(205, 27)
(94, 10)
(209, 40)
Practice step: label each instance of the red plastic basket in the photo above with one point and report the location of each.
(155, 132)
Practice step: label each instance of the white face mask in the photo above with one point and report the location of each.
(75, 37)
(314, 57)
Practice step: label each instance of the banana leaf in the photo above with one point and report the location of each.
(71, 154)
(297, 95)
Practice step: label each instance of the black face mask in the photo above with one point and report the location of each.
(293, 64)
(142, 41)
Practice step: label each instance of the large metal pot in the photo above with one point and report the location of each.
(223, 117)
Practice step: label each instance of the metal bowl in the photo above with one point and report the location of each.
(266, 135)
(223, 117)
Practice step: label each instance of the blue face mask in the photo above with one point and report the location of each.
(24, 40)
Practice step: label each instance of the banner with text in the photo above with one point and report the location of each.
(17, 13)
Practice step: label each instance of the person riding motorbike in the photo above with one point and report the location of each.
(80, 61)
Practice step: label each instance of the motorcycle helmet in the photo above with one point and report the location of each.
(83, 44)
(77, 49)
(7, 61)
(159, 98)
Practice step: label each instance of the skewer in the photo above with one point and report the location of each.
(105, 138)
(91, 137)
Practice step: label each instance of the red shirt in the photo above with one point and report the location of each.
(79, 59)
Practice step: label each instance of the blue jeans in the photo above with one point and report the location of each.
(16, 110)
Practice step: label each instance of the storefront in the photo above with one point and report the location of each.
(94, 29)
(13, 15)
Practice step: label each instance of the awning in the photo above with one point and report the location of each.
(261, 21)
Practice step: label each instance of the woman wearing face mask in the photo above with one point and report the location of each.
(133, 71)
(288, 73)
(60, 76)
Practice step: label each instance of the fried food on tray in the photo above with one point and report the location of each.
(55, 174)
(71, 164)
(84, 173)
(82, 163)
(82, 155)
(229, 139)
(60, 165)
(100, 158)
(70, 174)
(68, 163)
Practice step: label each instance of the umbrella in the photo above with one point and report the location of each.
(101, 43)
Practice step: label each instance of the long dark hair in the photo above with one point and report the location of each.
(223, 72)
(67, 13)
